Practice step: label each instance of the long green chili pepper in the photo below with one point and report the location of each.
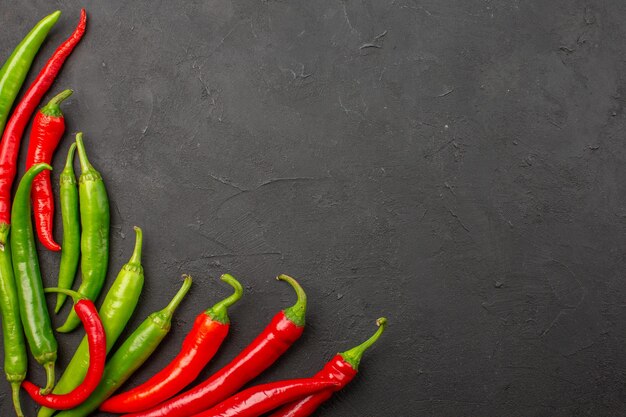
(94, 240)
(132, 354)
(12, 76)
(117, 308)
(15, 359)
(13, 72)
(70, 252)
(33, 308)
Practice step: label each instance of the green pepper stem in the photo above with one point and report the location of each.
(136, 256)
(49, 367)
(297, 312)
(15, 394)
(52, 108)
(178, 298)
(76, 296)
(85, 165)
(219, 312)
(58, 99)
(354, 355)
(69, 162)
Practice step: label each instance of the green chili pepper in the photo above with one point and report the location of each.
(117, 308)
(33, 308)
(13, 72)
(15, 359)
(94, 240)
(132, 354)
(70, 252)
(12, 76)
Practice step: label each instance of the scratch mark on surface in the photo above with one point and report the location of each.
(347, 18)
(347, 110)
(449, 187)
(225, 181)
(237, 255)
(370, 45)
(445, 93)
(145, 129)
(375, 42)
(441, 148)
(458, 219)
(227, 35)
(266, 183)
(552, 323)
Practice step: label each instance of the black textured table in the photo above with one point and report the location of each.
(457, 166)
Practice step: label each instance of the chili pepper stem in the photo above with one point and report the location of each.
(219, 311)
(136, 256)
(15, 394)
(178, 298)
(52, 108)
(85, 165)
(49, 367)
(354, 355)
(295, 313)
(69, 162)
(75, 295)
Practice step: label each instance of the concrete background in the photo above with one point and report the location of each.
(455, 165)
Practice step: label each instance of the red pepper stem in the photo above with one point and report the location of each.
(85, 165)
(219, 312)
(136, 256)
(76, 296)
(178, 298)
(296, 313)
(15, 393)
(52, 108)
(354, 355)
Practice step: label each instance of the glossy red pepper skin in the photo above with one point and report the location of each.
(275, 339)
(342, 368)
(256, 401)
(337, 369)
(12, 136)
(88, 314)
(209, 331)
(45, 135)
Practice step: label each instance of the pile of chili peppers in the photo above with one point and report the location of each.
(94, 373)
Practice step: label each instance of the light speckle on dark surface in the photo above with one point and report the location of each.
(457, 166)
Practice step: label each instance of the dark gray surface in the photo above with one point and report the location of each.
(457, 166)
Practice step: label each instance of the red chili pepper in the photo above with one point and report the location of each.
(284, 329)
(200, 345)
(12, 136)
(341, 369)
(88, 314)
(258, 400)
(45, 135)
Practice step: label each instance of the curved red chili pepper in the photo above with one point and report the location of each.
(86, 311)
(45, 135)
(200, 345)
(284, 329)
(341, 369)
(258, 400)
(12, 136)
